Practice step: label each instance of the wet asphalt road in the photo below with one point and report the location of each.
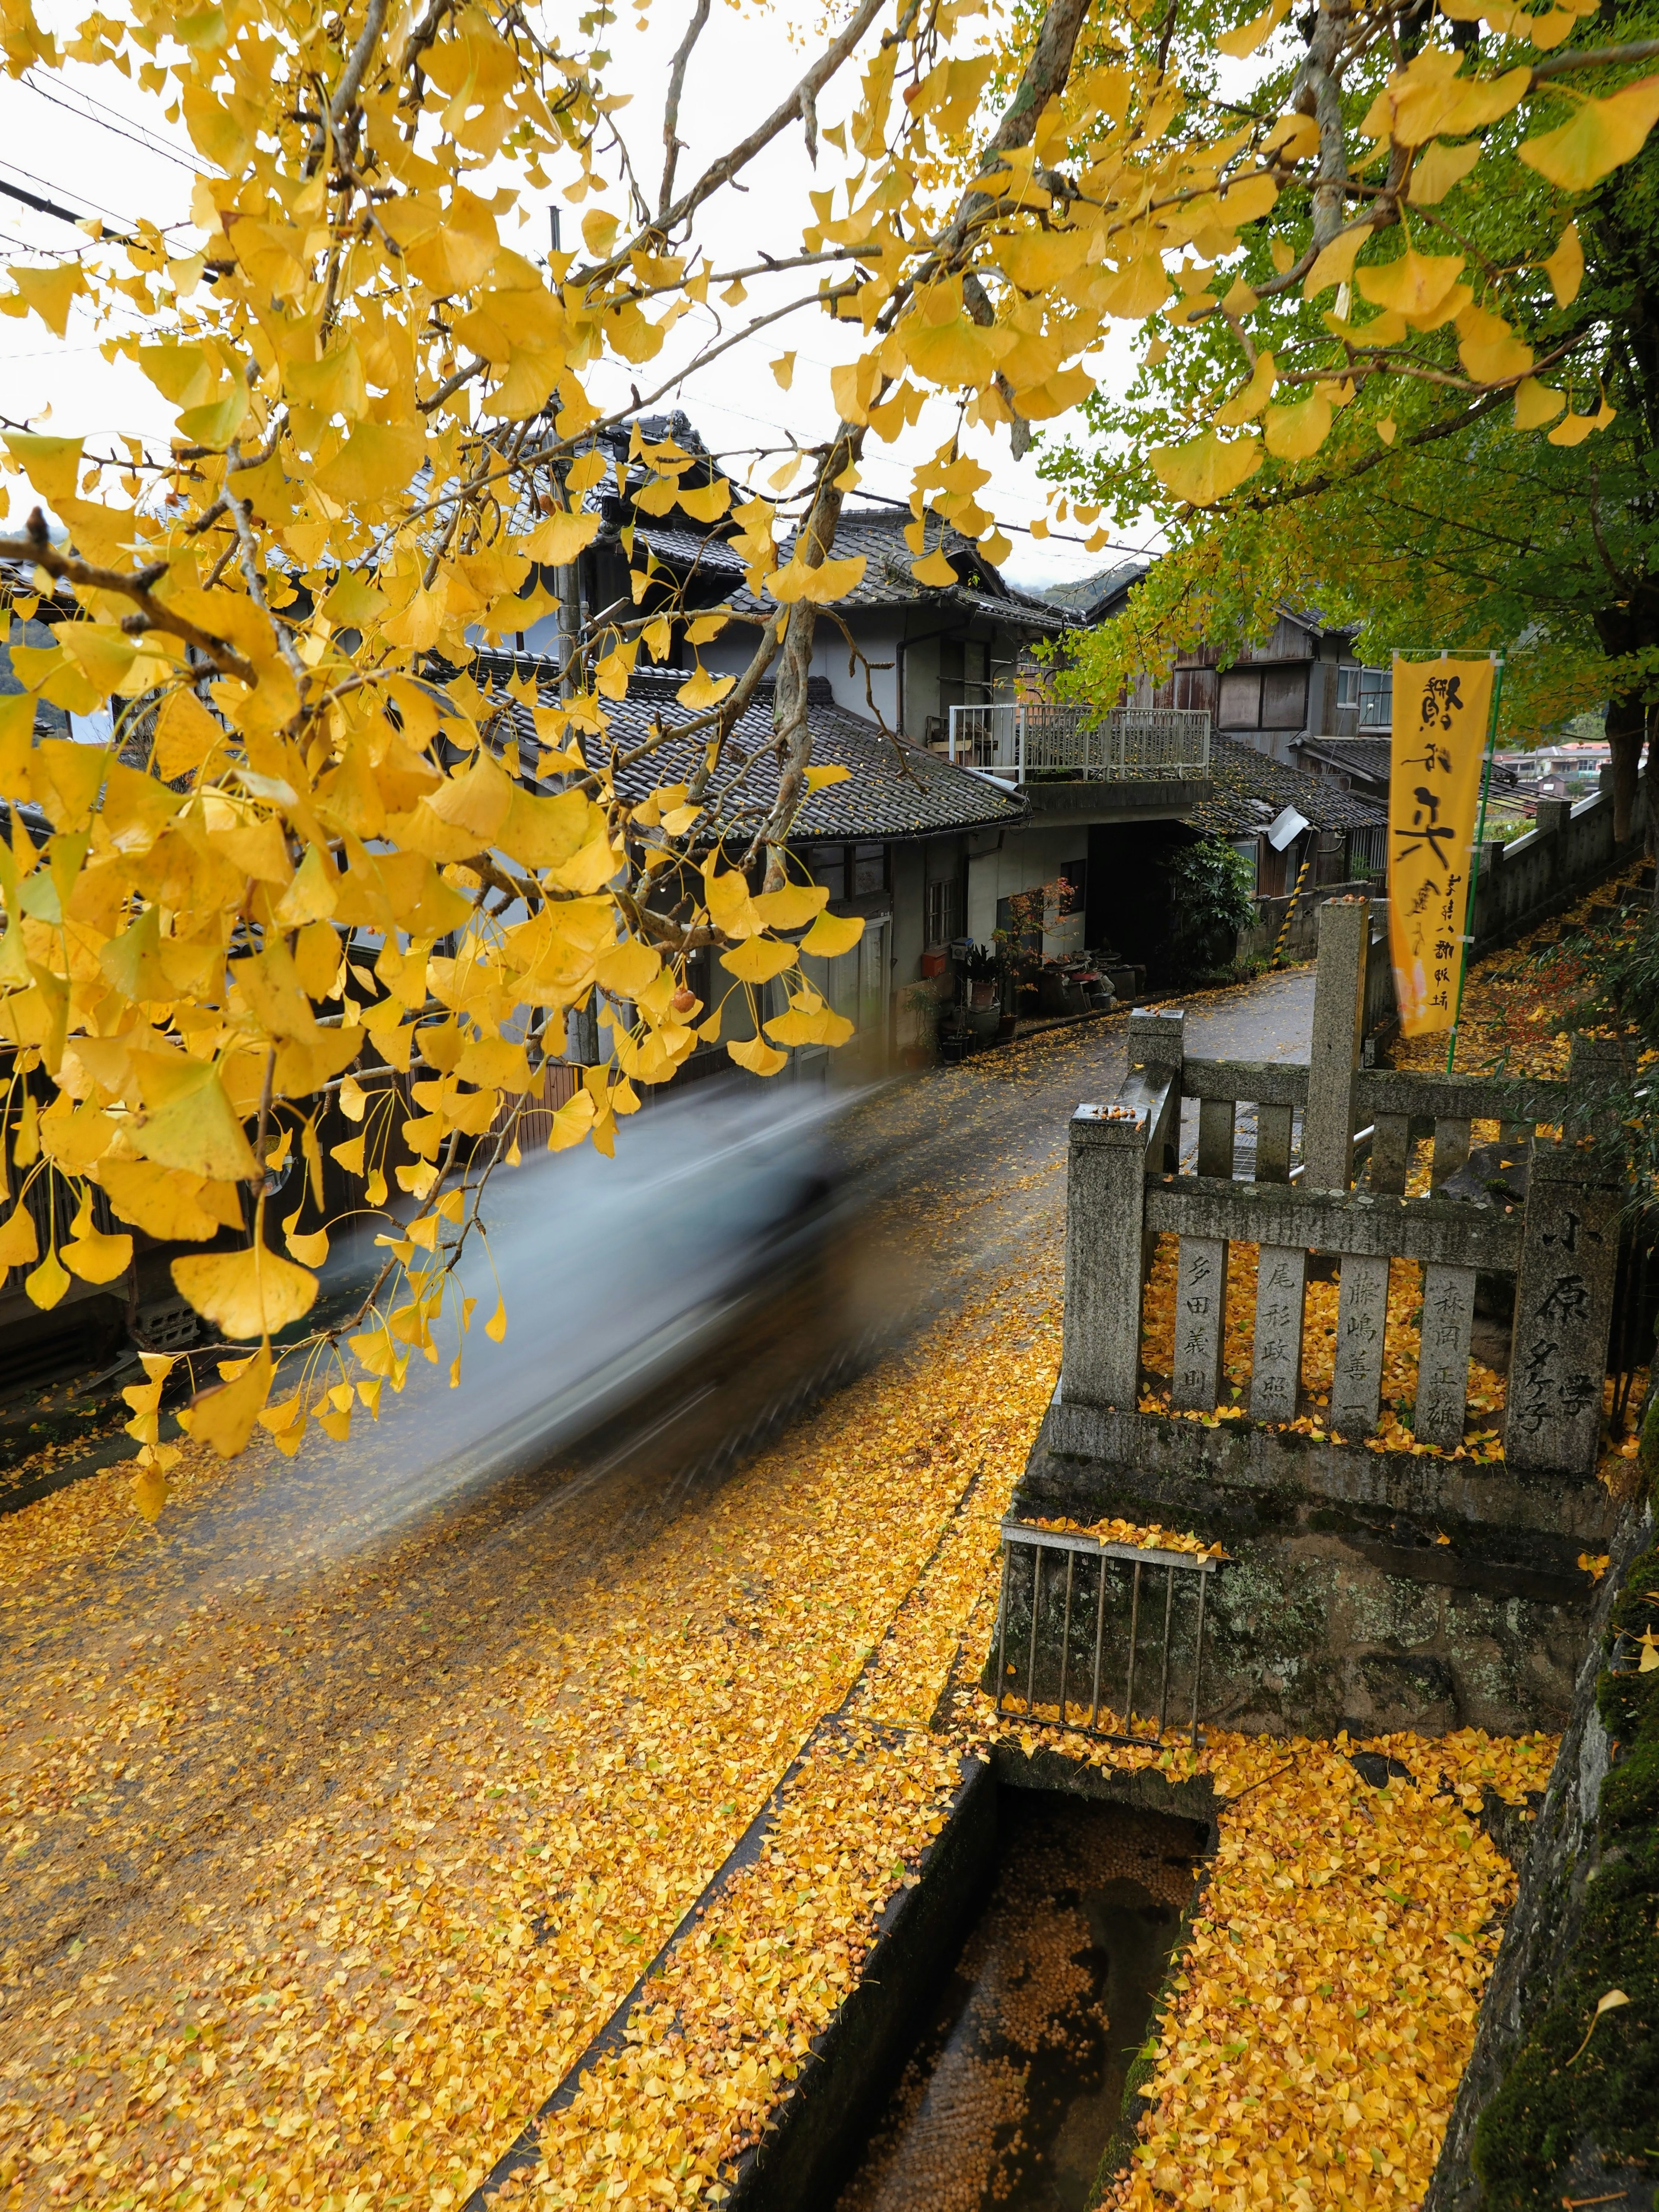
(354, 1582)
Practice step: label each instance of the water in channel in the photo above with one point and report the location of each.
(1013, 2092)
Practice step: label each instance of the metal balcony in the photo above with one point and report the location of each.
(1022, 740)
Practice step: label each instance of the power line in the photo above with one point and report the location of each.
(150, 143)
(52, 208)
(47, 185)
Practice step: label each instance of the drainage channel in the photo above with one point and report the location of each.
(1012, 2092)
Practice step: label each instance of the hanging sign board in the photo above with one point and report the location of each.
(1442, 711)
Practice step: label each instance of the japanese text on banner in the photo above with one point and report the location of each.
(1441, 711)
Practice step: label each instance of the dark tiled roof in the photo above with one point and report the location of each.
(895, 791)
(1250, 790)
(887, 580)
(1367, 756)
(1091, 599)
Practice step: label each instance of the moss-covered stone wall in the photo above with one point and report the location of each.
(1560, 2103)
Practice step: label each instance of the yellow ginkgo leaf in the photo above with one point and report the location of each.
(1600, 134)
(1294, 433)
(50, 292)
(149, 1491)
(627, 969)
(97, 1258)
(1416, 283)
(1206, 468)
(1249, 36)
(559, 539)
(703, 689)
(1439, 169)
(19, 1243)
(784, 370)
(1536, 404)
(830, 582)
(224, 1418)
(1572, 430)
(822, 1027)
(819, 778)
(189, 1121)
(312, 1249)
(1386, 429)
(710, 501)
(832, 934)
(935, 568)
(757, 960)
(252, 1292)
(48, 1282)
(1247, 402)
(1492, 353)
(1333, 264)
(792, 908)
(1565, 267)
(757, 1055)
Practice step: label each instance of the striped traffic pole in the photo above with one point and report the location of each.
(1284, 926)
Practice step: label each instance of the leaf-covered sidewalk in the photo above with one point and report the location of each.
(338, 1952)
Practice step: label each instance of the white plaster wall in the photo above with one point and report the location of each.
(1029, 857)
(876, 637)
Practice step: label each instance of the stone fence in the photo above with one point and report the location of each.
(1569, 852)
(1337, 1539)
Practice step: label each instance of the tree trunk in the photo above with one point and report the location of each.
(1651, 780)
(1627, 719)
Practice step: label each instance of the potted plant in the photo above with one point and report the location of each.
(979, 966)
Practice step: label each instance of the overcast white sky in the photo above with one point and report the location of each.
(98, 145)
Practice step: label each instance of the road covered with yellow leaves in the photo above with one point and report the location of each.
(323, 1860)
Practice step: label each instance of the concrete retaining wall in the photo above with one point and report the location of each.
(1525, 882)
(1366, 1590)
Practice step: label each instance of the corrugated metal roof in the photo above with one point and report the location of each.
(1250, 790)
(895, 790)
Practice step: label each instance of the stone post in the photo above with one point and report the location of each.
(1339, 1028)
(1157, 1044)
(1563, 1312)
(1105, 1203)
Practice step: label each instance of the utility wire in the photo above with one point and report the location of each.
(47, 185)
(52, 208)
(148, 140)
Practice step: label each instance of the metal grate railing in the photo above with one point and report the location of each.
(1049, 1617)
(1018, 738)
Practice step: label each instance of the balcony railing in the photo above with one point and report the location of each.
(1021, 739)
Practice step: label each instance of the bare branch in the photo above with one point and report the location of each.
(671, 114)
(64, 568)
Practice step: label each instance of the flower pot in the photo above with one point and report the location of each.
(983, 1022)
(982, 992)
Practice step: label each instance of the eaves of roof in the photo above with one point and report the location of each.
(894, 790)
(1249, 790)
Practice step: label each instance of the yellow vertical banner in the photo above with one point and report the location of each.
(1441, 710)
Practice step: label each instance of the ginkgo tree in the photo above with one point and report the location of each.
(314, 848)
(1426, 399)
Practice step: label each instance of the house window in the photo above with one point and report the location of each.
(1368, 854)
(1241, 699)
(1366, 692)
(1284, 697)
(869, 869)
(828, 866)
(942, 912)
